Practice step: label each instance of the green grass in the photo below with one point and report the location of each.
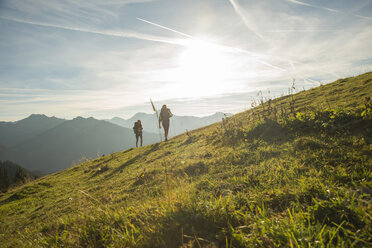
(300, 179)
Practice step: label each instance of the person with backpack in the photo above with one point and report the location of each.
(164, 116)
(137, 128)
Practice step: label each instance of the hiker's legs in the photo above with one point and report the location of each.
(141, 138)
(166, 132)
(136, 140)
(166, 129)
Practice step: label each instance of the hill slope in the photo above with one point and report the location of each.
(274, 176)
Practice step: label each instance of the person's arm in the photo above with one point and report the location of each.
(159, 121)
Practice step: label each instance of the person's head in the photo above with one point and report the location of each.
(164, 106)
(139, 121)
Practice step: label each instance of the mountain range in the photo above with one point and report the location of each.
(45, 144)
(14, 133)
(49, 144)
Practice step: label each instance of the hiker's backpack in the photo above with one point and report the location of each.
(135, 128)
(166, 114)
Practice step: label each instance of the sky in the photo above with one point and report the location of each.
(69, 58)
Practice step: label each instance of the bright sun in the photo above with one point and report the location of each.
(202, 69)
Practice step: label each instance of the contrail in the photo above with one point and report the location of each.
(365, 17)
(324, 8)
(312, 5)
(133, 35)
(239, 12)
(161, 26)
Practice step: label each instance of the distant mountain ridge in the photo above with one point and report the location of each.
(14, 133)
(57, 143)
(50, 144)
(179, 124)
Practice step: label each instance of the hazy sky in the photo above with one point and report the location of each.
(107, 58)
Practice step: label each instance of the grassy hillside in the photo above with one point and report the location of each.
(295, 172)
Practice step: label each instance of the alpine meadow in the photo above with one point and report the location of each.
(186, 123)
(294, 171)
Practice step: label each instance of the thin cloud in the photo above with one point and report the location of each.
(302, 30)
(121, 2)
(62, 12)
(324, 8)
(239, 11)
(314, 6)
(365, 17)
(96, 99)
(133, 35)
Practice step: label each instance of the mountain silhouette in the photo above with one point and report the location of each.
(14, 133)
(50, 144)
(57, 148)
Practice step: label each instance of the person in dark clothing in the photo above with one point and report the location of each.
(137, 128)
(165, 114)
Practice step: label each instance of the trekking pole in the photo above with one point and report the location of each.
(157, 119)
(174, 129)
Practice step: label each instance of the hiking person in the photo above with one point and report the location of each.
(165, 114)
(137, 128)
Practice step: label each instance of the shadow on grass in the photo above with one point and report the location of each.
(187, 225)
(269, 131)
(153, 148)
(26, 191)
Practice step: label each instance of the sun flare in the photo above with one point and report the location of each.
(201, 70)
